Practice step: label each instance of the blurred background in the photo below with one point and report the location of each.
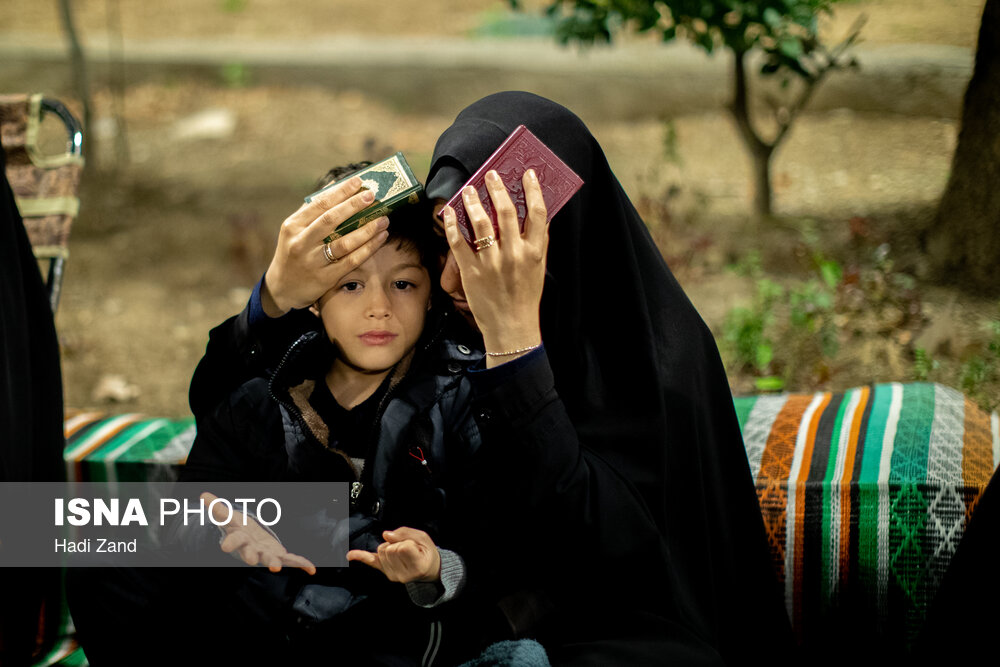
(825, 262)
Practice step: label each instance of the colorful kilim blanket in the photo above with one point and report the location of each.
(865, 495)
(127, 448)
(124, 448)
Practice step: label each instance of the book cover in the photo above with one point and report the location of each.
(393, 183)
(519, 152)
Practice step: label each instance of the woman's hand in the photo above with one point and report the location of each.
(503, 282)
(255, 545)
(300, 272)
(406, 555)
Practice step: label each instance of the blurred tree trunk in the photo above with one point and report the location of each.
(760, 150)
(963, 243)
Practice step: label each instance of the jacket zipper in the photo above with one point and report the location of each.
(357, 486)
(376, 429)
(291, 407)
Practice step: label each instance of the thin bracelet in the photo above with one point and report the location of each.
(513, 352)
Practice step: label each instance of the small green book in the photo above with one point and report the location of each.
(393, 183)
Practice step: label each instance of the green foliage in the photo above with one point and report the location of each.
(923, 365)
(878, 298)
(770, 383)
(811, 309)
(234, 6)
(235, 75)
(994, 329)
(498, 23)
(811, 304)
(747, 330)
(980, 371)
(975, 372)
(671, 146)
(784, 327)
(785, 30)
(831, 272)
(849, 324)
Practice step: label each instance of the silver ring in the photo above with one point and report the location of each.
(485, 242)
(328, 253)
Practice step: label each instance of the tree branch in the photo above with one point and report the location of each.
(740, 106)
(833, 61)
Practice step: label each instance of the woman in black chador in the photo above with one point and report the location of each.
(31, 414)
(617, 498)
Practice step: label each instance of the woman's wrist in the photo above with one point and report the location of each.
(509, 330)
(494, 360)
(502, 349)
(510, 345)
(268, 303)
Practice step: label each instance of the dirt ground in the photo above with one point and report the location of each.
(172, 237)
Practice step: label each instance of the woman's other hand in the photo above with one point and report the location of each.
(406, 555)
(254, 545)
(300, 272)
(503, 281)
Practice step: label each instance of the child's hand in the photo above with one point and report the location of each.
(406, 555)
(256, 546)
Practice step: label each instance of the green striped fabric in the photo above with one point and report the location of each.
(125, 448)
(865, 495)
(116, 448)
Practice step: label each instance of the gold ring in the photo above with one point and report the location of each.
(328, 253)
(485, 242)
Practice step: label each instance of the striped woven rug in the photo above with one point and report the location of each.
(112, 448)
(865, 495)
(126, 448)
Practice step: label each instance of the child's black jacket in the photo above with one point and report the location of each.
(267, 431)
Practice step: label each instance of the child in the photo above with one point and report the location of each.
(377, 398)
(345, 408)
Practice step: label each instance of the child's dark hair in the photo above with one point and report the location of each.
(410, 225)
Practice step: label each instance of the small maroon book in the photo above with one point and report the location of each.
(519, 152)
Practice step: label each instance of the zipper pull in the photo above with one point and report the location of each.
(419, 455)
(356, 491)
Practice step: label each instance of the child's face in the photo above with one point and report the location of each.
(376, 313)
